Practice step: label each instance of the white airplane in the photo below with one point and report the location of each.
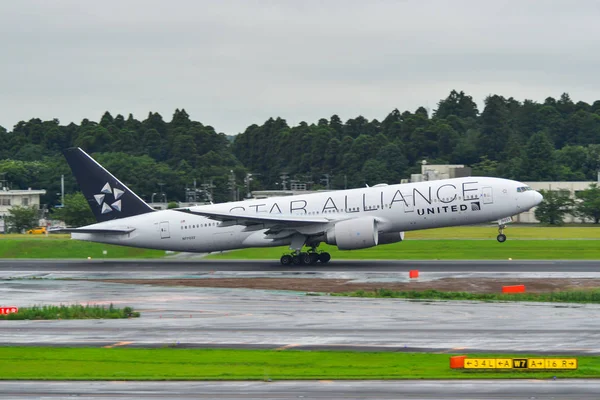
(349, 219)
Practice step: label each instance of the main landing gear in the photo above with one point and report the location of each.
(501, 236)
(305, 258)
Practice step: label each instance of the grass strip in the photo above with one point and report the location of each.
(51, 247)
(446, 250)
(467, 242)
(221, 364)
(74, 311)
(575, 296)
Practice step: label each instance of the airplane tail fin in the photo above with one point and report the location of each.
(108, 198)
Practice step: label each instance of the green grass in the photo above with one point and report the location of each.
(208, 364)
(524, 242)
(22, 246)
(57, 236)
(75, 311)
(447, 250)
(576, 296)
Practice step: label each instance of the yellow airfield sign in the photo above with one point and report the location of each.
(520, 363)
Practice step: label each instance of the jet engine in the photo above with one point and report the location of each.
(354, 234)
(391, 237)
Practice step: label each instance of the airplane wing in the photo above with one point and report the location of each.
(93, 230)
(254, 219)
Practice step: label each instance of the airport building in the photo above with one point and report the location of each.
(24, 198)
(10, 198)
(436, 172)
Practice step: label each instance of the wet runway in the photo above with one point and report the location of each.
(204, 317)
(397, 390)
(203, 265)
(241, 318)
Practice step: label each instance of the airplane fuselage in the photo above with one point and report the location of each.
(396, 208)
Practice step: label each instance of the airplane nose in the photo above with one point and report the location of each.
(537, 196)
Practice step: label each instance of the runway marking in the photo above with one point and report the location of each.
(110, 346)
(452, 349)
(287, 346)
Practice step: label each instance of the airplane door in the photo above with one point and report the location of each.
(487, 195)
(164, 230)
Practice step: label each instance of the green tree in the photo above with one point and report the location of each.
(76, 211)
(374, 172)
(457, 103)
(485, 167)
(395, 162)
(539, 164)
(21, 218)
(588, 205)
(495, 127)
(556, 204)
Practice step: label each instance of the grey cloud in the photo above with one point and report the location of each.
(234, 63)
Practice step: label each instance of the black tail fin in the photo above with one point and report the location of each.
(108, 197)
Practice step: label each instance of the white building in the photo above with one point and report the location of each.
(434, 172)
(25, 198)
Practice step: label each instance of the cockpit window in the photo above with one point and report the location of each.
(523, 189)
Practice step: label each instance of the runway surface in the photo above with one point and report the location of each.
(241, 318)
(163, 265)
(204, 317)
(397, 390)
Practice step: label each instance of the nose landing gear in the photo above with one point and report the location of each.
(501, 236)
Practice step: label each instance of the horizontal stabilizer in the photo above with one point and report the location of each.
(93, 230)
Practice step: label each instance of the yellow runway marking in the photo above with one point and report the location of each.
(110, 346)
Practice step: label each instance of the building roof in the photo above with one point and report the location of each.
(21, 192)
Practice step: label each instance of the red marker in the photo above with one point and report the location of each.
(8, 310)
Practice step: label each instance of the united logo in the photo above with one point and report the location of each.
(103, 200)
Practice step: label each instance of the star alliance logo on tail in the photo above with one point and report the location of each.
(475, 206)
(107, 190)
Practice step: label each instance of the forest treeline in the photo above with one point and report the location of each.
(528, 141)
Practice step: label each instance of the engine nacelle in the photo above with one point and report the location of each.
(391, 237)
(354, 234)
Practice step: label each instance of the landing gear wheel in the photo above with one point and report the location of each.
(501, 236)
(305, 258)
(324, 258)
(296, 260)
(286, 259)
(314, 258)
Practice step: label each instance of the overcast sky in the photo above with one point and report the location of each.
(234, 63)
